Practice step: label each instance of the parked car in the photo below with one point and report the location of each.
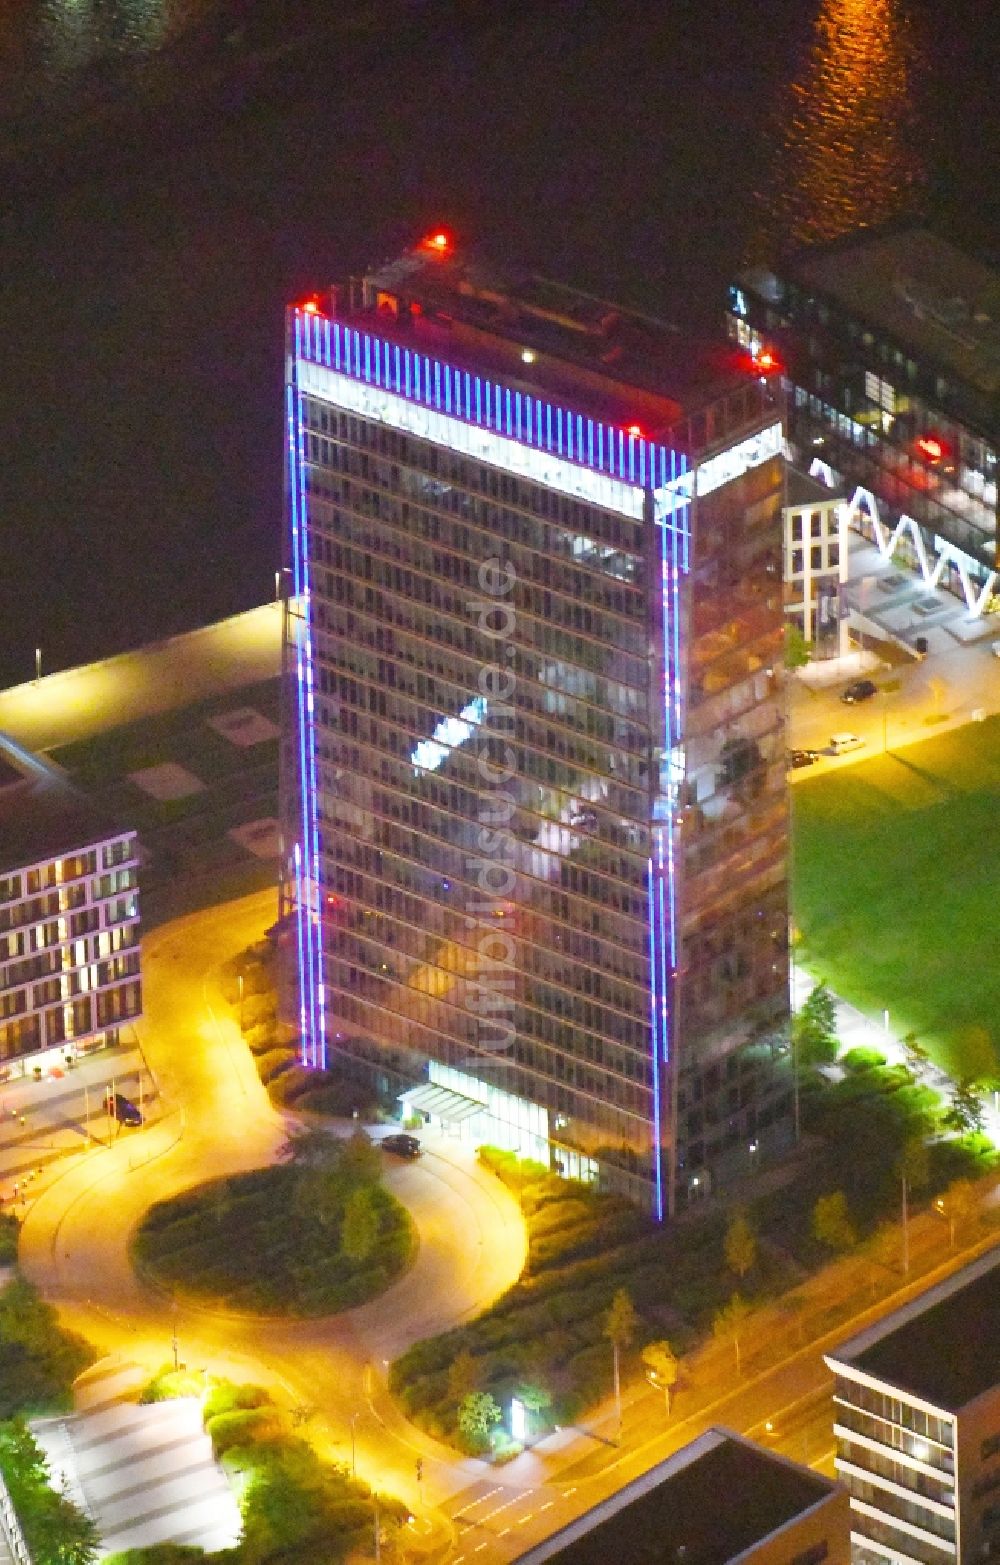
(860, 690)
(840, 744)
(124, 1111)
(797, 758)
(402, 1145)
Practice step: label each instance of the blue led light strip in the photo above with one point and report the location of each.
(309, 935)
(674, 561)
(434, 384)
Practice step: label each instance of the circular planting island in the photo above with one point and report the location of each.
(306, 1238)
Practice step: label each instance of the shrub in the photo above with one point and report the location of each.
(228, 1398)
(262, 1038)
(290, 1085)
(243, 1426)
(274, 1062)
(862, 1059)
(9, 1230)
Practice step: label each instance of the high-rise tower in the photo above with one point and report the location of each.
(534, 752)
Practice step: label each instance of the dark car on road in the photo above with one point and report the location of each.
(797, 758)
(861, 690)
(124, 1111)
(403, 1145)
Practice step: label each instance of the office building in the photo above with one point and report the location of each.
(917, 1421)
(889, 347)
(718, 1500)
(816, 564)
(69, 922)
(534, 769)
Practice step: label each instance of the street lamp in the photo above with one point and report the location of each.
(38, 665)
(239, 982)
(354, 1455)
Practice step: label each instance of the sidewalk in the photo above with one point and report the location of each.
(41, 1121)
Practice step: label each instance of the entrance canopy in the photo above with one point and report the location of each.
(451, 1107)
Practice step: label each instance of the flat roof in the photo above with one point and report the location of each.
(944, 1347)
(933, 299)
(42, 817)
(612, 362)
(705, 1505)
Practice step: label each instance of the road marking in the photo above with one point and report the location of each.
(503, 1532)
(571, 1491)
(522, 1519)
(546, 1507)
(480, 1545)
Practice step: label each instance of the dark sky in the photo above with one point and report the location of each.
(161, 206)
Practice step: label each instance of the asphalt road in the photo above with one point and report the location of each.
(218, 1120)
(915, 701)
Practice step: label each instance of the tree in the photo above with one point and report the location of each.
(957, 1205)
(730, 1323)
(464, 1375)
(662, 1368)
(535, 1398)
(797, 649)
(831, 1222)
(912, 1171)
(814, 1029)
(359, 1230)
(478, 1415)
(360, 1160)
(915, 1055)
(56, 1532)
(966, 1113)
(310, 1147)
(619, 1328)
(883, 1249)
(740, 1245)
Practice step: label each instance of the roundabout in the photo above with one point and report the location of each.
(75, 1241)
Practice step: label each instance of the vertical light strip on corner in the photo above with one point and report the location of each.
(309, 936)
(301, 914)
(673, 534)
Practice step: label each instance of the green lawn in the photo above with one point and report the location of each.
(895, 890)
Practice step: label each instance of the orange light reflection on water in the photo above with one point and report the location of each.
(844, 138)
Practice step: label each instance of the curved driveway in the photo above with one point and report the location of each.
(219, 1120)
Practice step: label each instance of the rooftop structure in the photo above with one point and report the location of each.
(719, 1499)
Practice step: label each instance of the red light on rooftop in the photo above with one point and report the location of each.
(931, 447)
(766, 361)
(311, 307)
(439, 242)
(635, 430)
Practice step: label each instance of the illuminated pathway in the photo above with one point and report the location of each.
(74, 1241)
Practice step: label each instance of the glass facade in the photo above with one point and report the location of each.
(534, 786)
(876, 414)
(897, 1461)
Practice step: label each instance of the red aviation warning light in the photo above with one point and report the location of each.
(311, 307)
(635, 430)
(931, 447)
(440, 242)
(766, 362)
